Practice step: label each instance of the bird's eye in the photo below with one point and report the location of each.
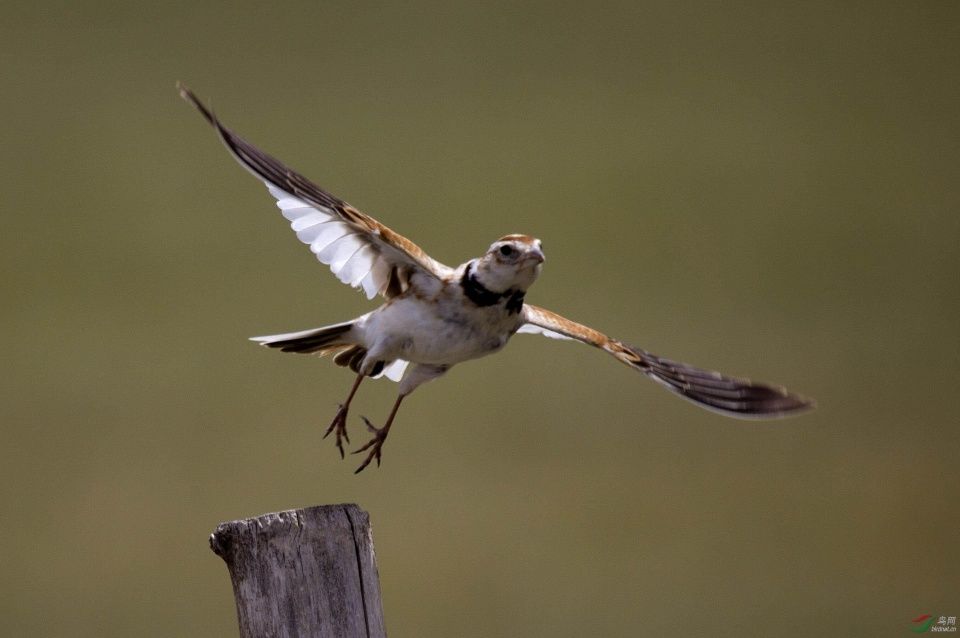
(506, 251)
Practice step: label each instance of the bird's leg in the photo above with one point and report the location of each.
(379, 436)
(339, 425)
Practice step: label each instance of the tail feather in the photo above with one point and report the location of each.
(335, 338)
(353, 358)
(315, 341)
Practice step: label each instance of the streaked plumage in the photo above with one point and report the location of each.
(435, 316)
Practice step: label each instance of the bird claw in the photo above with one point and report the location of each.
(374, 445)
(339, 427)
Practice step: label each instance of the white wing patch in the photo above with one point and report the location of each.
(531, 329)
(348, 252)
(375, 280)
(394, 371)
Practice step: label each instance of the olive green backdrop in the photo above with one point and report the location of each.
(766, 189)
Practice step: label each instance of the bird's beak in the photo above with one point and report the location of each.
(537, 255)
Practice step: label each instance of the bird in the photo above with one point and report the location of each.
(434, 316)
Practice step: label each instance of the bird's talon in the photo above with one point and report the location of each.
(362, 449)
(339, 427)
(374, 445)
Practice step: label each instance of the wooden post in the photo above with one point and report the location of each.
(308, 572)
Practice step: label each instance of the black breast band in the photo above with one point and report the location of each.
(483, 296)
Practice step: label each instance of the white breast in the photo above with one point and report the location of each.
(445, 328)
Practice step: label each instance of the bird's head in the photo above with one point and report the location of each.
(511, 262)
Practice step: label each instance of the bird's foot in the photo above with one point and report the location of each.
(339, 427)
(374, 444)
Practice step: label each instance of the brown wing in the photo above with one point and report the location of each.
(727, 395)
(360, 250)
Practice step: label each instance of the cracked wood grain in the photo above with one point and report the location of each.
(307, 572)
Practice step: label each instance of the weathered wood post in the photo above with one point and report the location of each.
(307, 572)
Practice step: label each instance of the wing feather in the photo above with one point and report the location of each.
(533, 329)
(375, 281)
(357, 267)
(395, 370)
(375, 257)
(731, 396)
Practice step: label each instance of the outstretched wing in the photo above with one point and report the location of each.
(360, 251)
(740, 398)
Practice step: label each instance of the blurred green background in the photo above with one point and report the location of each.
(767, 189)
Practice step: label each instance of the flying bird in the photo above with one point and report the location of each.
(434, 316)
